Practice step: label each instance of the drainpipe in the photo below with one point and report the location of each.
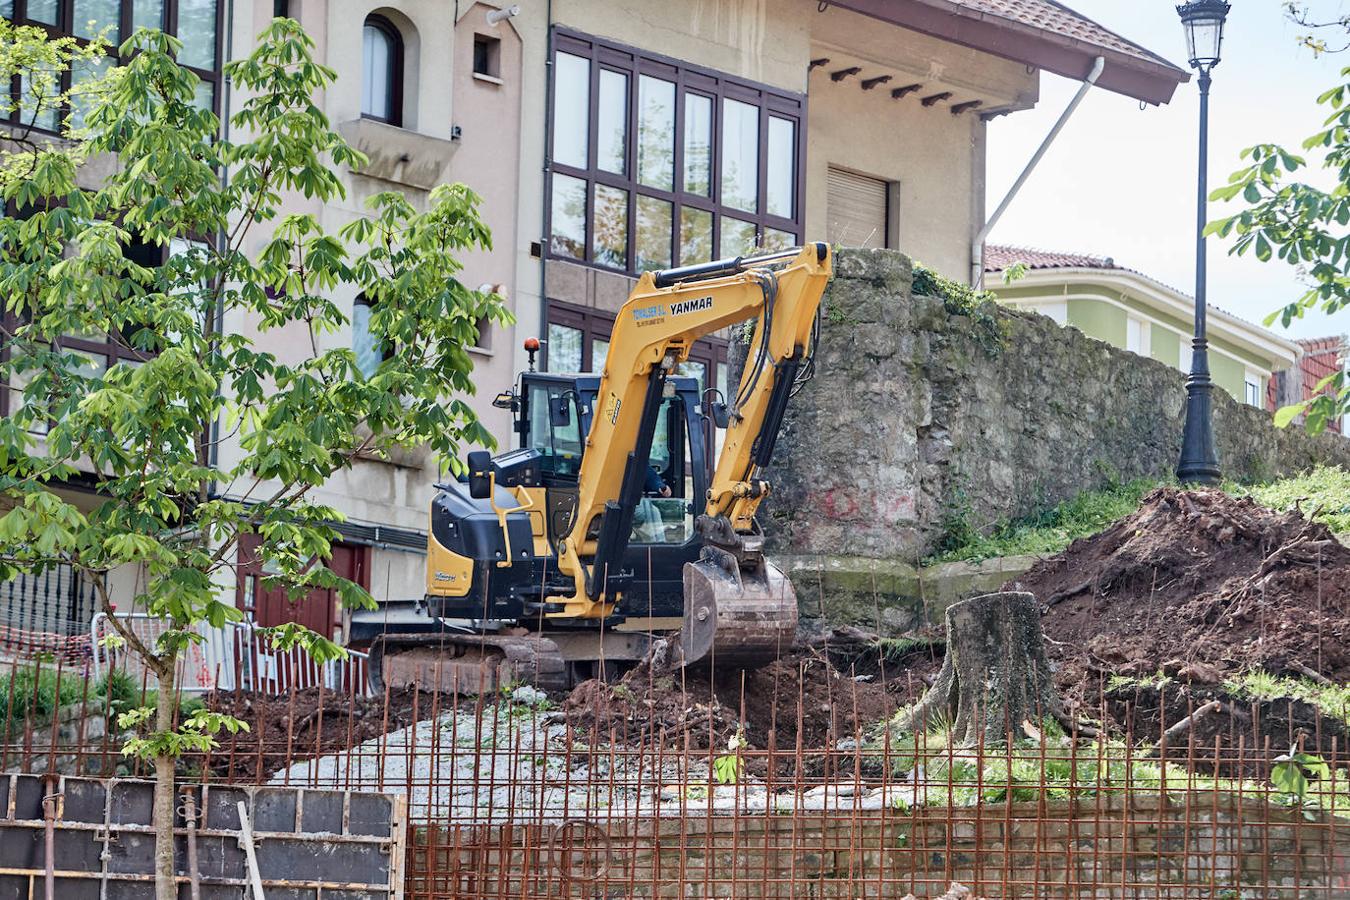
(548, 165)
(977, 245)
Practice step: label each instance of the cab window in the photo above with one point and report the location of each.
(558, 441)
(662, 518)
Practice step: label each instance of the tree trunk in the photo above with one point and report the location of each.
(166, 883)
(995, 676)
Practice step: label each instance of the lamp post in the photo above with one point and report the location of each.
(1203, 21)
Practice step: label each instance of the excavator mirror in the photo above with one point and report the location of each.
(480, 481)
(505, 400)
(720, 414)
(560, 411)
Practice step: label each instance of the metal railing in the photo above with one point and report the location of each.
(54, 602)
(229, 658)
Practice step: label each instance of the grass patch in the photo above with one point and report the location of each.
(34, 692)
(1323, 493)
(1057, 768)
(1333, 700)
(1053, 530)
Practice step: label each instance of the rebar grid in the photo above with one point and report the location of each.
(514, 798)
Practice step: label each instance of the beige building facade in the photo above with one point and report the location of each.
(608, 138)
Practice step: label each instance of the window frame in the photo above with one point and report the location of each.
(396, 66)
(688, 79)
(1252, 389)
(64, 28)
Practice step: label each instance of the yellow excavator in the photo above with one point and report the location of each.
(615, 521)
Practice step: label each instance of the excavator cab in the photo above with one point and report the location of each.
(536, 483)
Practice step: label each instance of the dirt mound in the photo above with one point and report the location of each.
(824, 693)
(291, 727)
(1200, 585)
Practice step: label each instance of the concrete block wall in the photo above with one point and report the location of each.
(335, 845)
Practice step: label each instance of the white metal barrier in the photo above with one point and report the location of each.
(234, 656)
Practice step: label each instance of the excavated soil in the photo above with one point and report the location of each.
(292, 727)
(1200, 585)
(831, 690)
(1196, 585)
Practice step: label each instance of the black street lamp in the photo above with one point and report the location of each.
(1203, 20)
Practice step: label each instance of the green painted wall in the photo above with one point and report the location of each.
(1165, 346)
(1105, 321)
(1099, 320)
(1228, 374)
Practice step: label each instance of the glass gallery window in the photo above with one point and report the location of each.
(197, 23)
(656, 163)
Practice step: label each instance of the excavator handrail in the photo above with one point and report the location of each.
(730, 266)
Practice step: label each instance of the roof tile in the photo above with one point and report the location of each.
(1060, 19)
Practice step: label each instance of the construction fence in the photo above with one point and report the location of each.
(515, 795)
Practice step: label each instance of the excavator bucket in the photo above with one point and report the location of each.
(736, 617)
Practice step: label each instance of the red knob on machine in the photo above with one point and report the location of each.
(532, 347)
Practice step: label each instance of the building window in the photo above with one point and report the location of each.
(656, 163)
(382, 71)
(197, 23)
(487, 56)
(858, 209)
(1251, 385)
(1138, 336)
(368, 349)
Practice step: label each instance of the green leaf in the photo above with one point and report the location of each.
(1286, 414)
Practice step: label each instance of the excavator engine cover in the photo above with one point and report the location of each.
(734, 616)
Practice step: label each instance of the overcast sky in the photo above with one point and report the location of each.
(1120, 181)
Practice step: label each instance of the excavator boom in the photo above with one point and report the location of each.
(732, 591)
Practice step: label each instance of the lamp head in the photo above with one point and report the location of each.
(1203, 21)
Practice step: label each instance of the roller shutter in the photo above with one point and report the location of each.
(856, 206)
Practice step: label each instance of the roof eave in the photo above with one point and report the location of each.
(1150, 82)
(1256, 338)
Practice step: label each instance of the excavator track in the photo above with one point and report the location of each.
(466, 663)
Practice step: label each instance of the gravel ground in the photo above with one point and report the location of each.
(517, 764)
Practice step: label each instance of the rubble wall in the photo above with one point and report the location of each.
(918, 417)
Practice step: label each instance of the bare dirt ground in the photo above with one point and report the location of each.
(1198, 587)
(819, 694)
(1195, 586)
(1202, 583)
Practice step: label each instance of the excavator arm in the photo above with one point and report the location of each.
(653, 333)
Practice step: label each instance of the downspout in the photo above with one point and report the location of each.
(548, 165)
(977, 245)
(213, 451)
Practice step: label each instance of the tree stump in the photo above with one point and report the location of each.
(995, 676)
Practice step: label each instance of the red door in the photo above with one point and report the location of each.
(318, 610)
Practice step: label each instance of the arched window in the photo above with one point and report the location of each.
(382, 71)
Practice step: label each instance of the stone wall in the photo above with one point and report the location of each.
(916, 416)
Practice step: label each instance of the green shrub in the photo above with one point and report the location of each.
(981, 307)
(1323, 493)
